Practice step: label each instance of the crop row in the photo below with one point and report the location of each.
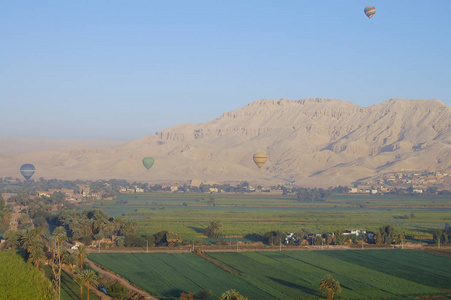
(286, 275)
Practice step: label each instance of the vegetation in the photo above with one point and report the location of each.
(232, 295)
(117, 291)
(330, 285)
(5, 215)
(296, 216)
(19, 280)
(286, 275)
(89, 276)
(212, 230)
(442, 237)
(253, 215)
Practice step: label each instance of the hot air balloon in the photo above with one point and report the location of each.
(27, 170)
(260, 159)
(148, 162)
(370, 11)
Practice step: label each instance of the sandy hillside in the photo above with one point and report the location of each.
(310, 142)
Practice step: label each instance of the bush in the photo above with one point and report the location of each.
(133, 241)
(117, 291)
(86, 240)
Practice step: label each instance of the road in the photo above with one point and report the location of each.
(121, 281)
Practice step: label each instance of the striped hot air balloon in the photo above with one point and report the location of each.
(260, 159)
(370, 11)
(27, 171)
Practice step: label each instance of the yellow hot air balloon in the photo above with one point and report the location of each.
(260, 159)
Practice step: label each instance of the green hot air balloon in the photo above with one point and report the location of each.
(27, 170)
(148, 162)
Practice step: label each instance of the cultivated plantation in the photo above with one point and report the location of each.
(363, 274)
(241, 215)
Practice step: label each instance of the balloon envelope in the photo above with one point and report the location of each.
(148, 162)
(370, 11)
(27, 170)
(260, 159)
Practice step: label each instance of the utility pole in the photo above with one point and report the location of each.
(236, 245)
(280, 245)
(147, 242)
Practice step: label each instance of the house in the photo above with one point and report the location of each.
(370, 237)
(290, 238)
(356, 232)
(76, 244)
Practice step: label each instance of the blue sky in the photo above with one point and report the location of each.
(126, 69)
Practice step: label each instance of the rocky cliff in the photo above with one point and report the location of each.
(311, 142)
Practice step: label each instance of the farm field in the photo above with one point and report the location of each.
(241, 214)
(387, 274)
(70, 290)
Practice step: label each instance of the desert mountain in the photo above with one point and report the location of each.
(311, 142)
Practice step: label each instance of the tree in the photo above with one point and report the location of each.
(59, 236)
(212, 231)
(339, 238)
(90, 277)
(80, 280)
(12, 238)
(5, 215)
(117, 291)
(331, 286)
(388, 233)
(81, 255)
(232, 295)
(37, 254)
(438, 237)
(273, 238)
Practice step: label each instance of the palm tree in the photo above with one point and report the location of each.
(81, 255)
(37, 254)
(89, 277)
(59, 237)
(331, 285)
(80, 279)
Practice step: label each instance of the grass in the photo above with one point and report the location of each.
(188, 214)
(70, 290)
(168, 275)
(388, 274)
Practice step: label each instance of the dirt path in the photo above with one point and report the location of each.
(121, 280)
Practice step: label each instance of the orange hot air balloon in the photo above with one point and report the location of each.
(260, 159)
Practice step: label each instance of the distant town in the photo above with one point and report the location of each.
(427, 183)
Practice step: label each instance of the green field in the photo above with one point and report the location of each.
(386, 274)
(189, 213)
(70, 290)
